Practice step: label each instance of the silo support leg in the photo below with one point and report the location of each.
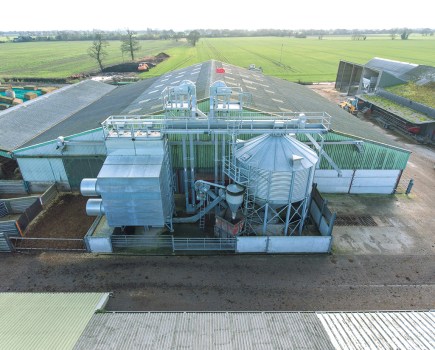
(266, 210)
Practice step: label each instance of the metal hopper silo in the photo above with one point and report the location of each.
(278, 172)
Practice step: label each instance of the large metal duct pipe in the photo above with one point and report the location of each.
(94, 207)
(88, 187)
(185, 174)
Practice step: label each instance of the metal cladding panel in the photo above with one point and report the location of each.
(126, 146)
(42, 169)
(149, 147)
(138, 160)
(132, 197)
(120, 146)
(150, 205)
(375, 181)
(328, 181)
(132, 189)
(129, 171)
(376, 174)
(133, 218)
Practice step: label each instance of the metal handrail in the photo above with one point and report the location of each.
(145, 126)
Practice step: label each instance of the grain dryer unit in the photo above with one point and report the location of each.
(134, 184)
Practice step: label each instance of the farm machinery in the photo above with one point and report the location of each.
(351, 105)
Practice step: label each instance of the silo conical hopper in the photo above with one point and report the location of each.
(234, 198)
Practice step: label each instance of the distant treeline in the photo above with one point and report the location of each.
(151, 34)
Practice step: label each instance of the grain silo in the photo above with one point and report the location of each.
(278, 172)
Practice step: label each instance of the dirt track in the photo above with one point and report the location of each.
(230, 282)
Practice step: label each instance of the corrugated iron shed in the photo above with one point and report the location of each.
(45, 320)
(260, 330)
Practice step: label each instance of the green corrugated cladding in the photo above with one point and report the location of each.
(346, 156)
(45, 320)
(5, 154)
(204, 106)
(374, 155)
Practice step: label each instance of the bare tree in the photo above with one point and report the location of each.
(129, 43)
(98, 49)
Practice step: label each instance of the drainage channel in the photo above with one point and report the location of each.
(361, 220)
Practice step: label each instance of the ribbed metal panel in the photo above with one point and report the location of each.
(205, 331)
(86, 143)
(45, 320)
(373, 156)
(42, 169)
(4, 246)
(346, 156)
(12, 186)
(9, 227)
(380, 330)
(19, 205)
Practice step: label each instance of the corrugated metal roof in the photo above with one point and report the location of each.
(24, 122)
(204, 331)
(395, 68)
(268, 94)
(149, 102)
(275, 153)
(45, 320)
(380, 330)
(260, 330)
(93, 115)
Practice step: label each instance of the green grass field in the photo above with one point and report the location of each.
(61, 59)
(306, 60)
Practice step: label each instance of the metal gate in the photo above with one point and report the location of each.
(141, 242)
(205, 244)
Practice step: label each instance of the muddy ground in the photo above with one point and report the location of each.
(64, 218)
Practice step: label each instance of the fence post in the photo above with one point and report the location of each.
(173, 244)
(408, 189)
